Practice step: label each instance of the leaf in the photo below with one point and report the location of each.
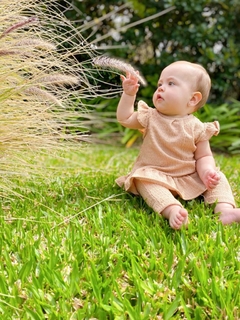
(3, 287)
(117, 304)
(172, 309)
(95, 282)
(186, 309)
(25, 270)
(33, 315)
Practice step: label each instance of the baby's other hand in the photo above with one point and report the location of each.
(211, 179)
(130, 83)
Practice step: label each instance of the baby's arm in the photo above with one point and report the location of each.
(125, 110)
(205, 165)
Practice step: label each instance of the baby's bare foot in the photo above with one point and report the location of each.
(229, 216)
(178, 219)
(176, 215)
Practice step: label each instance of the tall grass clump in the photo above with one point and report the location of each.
(43, 84)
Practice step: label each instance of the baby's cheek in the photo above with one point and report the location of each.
(155, 96)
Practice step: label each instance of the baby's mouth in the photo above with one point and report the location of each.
(159, 97)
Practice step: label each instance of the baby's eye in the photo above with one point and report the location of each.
(171, 83)
(159, 85)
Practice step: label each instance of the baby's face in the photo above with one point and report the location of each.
(175, 90)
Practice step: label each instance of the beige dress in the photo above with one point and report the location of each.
(167, 154)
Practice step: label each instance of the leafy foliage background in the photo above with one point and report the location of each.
(202, 31)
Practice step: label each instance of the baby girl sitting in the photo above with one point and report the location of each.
(175, 159)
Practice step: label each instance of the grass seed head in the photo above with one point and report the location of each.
(117, 64)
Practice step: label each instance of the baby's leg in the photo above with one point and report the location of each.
(223, 196)
(161, 200)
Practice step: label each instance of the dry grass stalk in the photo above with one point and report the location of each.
(117, 64)
(19, 25)
(42, 83)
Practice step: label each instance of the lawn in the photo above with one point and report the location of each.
(75, 246)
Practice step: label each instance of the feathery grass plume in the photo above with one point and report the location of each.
(117, 64)
(18, 25)
(42, 86)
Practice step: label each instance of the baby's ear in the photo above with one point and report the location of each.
(196, 98)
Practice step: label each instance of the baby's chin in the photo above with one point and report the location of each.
(161, 110)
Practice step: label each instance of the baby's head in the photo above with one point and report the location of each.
(183, 88)
(198, 78)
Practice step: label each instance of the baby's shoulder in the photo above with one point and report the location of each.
(204, 130)
(142, 106)
(193, 122)
(145, 113)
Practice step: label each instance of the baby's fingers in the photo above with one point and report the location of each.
(122, 77)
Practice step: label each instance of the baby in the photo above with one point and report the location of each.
(175, 158)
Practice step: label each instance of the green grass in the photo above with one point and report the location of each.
(75, 246)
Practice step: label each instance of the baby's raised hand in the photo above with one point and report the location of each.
(130, 83)
(211, 179)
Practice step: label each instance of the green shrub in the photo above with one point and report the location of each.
(228, 115)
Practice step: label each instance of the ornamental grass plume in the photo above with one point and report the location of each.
(119, 65)
(42, 85)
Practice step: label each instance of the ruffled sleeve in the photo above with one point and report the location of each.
(209, 129)
(143, 113)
